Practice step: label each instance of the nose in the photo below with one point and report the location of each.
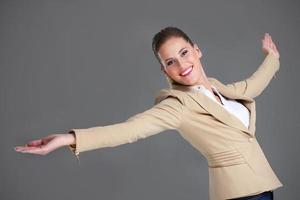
(180, 63)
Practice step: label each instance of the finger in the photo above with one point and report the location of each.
(273, 43)
(22, 148)
(39, 142)
(271, 40)
(268, 40)
(35, 142)
(35, 150)
(265, 37)
(19, 148)
(270, 44)
(264, 43)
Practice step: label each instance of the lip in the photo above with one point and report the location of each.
(189, 68)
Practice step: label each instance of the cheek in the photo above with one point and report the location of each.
(193, 58)
(172, 73)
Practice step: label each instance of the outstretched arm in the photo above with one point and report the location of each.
(259, 80)
(165, 115)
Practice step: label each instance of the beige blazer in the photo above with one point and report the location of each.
(237, 165)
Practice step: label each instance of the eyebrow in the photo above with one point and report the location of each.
(178, 52)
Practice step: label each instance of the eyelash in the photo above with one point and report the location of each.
(182, 53)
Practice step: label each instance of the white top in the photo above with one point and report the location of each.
(234, 107)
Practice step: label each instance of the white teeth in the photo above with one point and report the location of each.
(186, 71)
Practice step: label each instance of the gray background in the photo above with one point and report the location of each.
(77, 64)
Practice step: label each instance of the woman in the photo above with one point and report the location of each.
(217, 119)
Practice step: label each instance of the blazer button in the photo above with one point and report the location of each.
(251, 139)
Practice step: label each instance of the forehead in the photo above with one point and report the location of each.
(172, 46)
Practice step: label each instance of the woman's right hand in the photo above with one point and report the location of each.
(47, 144)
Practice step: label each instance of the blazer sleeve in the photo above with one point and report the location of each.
(259, 80)
(164, 115)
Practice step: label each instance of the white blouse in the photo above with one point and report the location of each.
(234, 107)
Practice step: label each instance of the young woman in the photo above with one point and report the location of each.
(217, 119)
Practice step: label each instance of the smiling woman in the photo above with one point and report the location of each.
(217, 119)
(181, 62)
(179, 58)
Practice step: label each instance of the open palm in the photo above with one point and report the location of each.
(45, 145)
(268, 46)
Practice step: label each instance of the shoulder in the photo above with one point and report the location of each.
(215, 81)
(220, 85)
(171, 95)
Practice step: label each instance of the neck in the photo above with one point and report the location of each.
(204, 81)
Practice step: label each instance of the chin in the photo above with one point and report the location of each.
(189, 82)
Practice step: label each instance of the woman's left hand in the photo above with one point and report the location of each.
(268, 46)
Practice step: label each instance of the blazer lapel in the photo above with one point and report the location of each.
(218, 111)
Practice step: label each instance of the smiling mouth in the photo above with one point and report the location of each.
(187, 71)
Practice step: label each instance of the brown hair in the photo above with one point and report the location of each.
(162, 36)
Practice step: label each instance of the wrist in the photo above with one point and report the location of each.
(274, 54)
(70, 138)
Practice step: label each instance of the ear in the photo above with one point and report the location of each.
(198, 50)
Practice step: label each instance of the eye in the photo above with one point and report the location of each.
(184, 52)
(169, 63)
